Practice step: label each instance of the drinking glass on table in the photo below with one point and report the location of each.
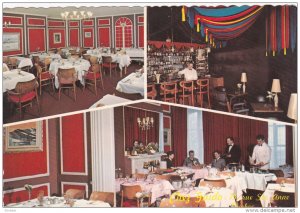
(71, 202)
(67, 199)
(127, 178)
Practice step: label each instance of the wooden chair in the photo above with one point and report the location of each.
(47, 63)
(203, 89)
(75, 56)
(232, 174)
(277, 172)
(5, 59)
(67, 79)
(72, 52)
(93, 60)
(107, 63)
(285, 180)
(36, 59)
(163, 177)
(75, 193)
(187, 92)
(169, 92)
(107, 197)
(93, 75)
(24, 94)
(129, 193)
(86, 57)
(12, 63)
(220, 99)
(214, 183)
(45, 78)
(283, 199)
(151, 91)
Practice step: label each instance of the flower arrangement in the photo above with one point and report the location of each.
(152, 148)
(28, 187)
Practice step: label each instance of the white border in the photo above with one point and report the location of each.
(56, 20)
(15, 17)
(60, 40)
(44, 18)
(85, 173)
(98, 19)
(38, 175)
(75, 184)
(23, 39)
(115, 27)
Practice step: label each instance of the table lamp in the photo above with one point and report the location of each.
(292, 110)
(276, 89)
(244, 80)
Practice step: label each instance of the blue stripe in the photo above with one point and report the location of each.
(221, 12)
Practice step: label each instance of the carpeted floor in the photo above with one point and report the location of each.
(50, 105)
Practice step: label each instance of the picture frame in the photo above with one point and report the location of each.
(167, 137)
(11, 41)
(27, 137)
(56, 38)
(87, 34)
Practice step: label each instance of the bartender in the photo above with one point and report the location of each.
(190, 74)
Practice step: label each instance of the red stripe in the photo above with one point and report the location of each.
(287, 26)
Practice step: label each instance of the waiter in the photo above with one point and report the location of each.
(190, 74)
(261, 155)
(232, 151)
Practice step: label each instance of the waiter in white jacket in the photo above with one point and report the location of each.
(261, 155)
(190, 74)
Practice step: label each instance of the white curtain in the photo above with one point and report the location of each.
(195, 133)
(161, 132)
(103, 150)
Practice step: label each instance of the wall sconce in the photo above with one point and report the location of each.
(276, 89)
(6, 24)
(145, 123)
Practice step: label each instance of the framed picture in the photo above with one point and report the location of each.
(57, 38)
(11, 42)
(87, 34)
(26, 137)
(167, 137)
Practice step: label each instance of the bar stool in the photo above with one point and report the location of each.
(187, 92)
(151, 91)
(203, 89)
(169, 91)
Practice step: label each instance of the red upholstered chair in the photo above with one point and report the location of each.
(108, 64)
(169, 91)
(93, 75)
(151, 91)
(86, 57)
(45, 78)
(24, 94)
(75, 193)
(107, 197)
(12, 63)
(67, 79)
(187, 92)
(93, 60)
(203, 89)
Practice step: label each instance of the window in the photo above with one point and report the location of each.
(277, 142)
(123, 33)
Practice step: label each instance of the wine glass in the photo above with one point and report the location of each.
(210, 187)
(71, 202)
(127, 178)
(67, 198)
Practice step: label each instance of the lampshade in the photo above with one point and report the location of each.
(244, 77)
(276, 86)
(292, 110)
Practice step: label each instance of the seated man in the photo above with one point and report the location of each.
(189, 73)
(170, 159)
(191, 160)
(218, 162)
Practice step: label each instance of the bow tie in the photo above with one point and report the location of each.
(230, 145)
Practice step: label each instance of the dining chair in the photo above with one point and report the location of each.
(226, 173)
(186, 91)
(169, 91)
(45, 78)
(67, 80)
(202, 90)
(24, 94)
(285, 180)
(72, 52)
(5, 59)
(107, 197)
(283, 199)
(128, 193)
(163, 177)
(12, 63)
(151, 91)
(86, 57)
(93, 60)
(220, 99)
(214, 183)
(108, 64)
(36, 59)
(47, 63)
(75, 193)
(92, 76)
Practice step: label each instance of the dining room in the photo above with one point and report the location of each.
(59, 59)
(165, 156)
(238, 58)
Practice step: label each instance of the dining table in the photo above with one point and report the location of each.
(213, 197)
(157, 188)
(109, 100)
(80, 65)
(23, 62)
(59, 202)
(12, 77)
(267, 196)
(42, 56)
(131, 84)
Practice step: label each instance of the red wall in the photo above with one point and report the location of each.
(56, 26)
(26, 163)
(88, 41)
(74, 33)
(73, 148)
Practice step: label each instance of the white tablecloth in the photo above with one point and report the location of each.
(80, 66)
(42, 56)
(109, 100)
(23, 62)
(136, 53)
(133, 83)
(158, 188)
(221, 197)
(266, 197)
(61, 203)
(5, 67)
(255, 180)
(12, 77)
(198, 173)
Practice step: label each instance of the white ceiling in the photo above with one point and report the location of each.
(54, 12)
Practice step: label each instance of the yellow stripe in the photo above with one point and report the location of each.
(235, 21)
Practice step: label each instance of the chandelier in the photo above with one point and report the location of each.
(145, 123)
(76, 15)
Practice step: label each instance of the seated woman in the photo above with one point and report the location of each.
(170, 159)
